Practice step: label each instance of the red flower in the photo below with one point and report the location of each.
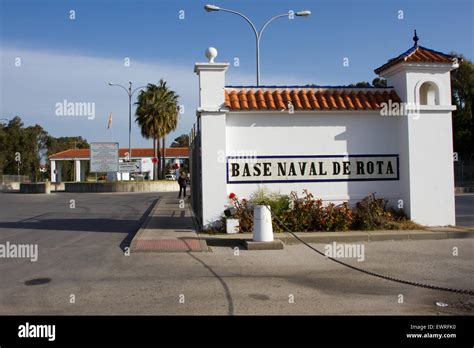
(232, 195)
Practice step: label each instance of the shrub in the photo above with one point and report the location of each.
(373, 213)
(306, 214)
(337, 218)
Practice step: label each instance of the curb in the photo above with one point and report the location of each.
(202, 241)
(356, 236)
(141, 230)
(273, 245)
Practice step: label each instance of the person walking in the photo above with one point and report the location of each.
(183, 183)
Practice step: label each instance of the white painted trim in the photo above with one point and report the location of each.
(412, 67)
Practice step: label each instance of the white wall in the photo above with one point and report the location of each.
(423, 143)
(315, 134)
(431, 170)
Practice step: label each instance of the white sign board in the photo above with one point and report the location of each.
(312, 168)
(147, 165)
(130, 167)
(104, 157)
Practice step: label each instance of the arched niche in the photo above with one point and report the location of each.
(428, 93)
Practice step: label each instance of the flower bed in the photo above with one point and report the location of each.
(307, 214)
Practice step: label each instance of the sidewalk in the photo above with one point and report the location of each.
(347, 237)
(169, 228)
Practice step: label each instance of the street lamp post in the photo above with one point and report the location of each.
(258, 34)
(130, 93)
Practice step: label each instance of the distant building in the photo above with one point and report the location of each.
(81, 159)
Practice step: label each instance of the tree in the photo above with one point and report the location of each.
(462, 81)
(171, 118)
(378, 82)
(360, 84)
(181, 141)
(32, 145)
(157, 115)
(22, 149)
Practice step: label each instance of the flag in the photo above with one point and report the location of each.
(109, 122)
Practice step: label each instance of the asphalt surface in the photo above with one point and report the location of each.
(465, 210)
(81, 256)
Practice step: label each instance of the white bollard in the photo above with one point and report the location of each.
(262, 224)
(47, 186)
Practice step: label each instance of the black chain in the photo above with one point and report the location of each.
(392, 279)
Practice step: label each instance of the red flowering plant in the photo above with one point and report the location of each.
(336, 218)
(243, 212)
(304, 214)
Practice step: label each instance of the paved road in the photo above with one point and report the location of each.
(465, 210)
(80, 252)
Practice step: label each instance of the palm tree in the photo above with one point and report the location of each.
(157, 115)
(170, 122)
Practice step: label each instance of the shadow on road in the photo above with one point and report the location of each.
(86, 225)
(230, 302)
(128, 239)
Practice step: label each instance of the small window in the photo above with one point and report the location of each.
(429, 94)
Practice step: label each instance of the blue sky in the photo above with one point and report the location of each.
(64, 59)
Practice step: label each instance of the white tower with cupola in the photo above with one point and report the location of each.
(421, 78)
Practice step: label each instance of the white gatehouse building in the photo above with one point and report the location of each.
(339, 143)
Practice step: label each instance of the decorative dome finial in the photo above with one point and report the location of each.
(211, 54)
(415, 39)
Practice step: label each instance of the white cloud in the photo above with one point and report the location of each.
(46, 78)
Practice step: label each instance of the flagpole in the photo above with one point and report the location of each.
(110, 125)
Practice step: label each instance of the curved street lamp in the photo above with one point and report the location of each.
(130, 93)
(258, 34)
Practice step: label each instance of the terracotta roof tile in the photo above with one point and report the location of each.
(307, 98)
(418, 54)
(136, 152)
(277, 99)
(305, 104)
(339, 101)
(261, 100)
(243, 100)
(348, 101)
(252, 100)
(295, 100)
(286, 97)
(234, 100)
(313, 100)
(322, 100)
